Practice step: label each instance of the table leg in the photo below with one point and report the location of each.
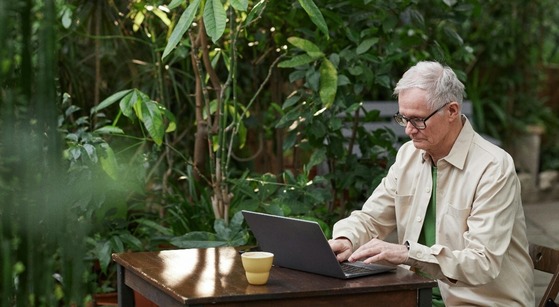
(425, 297)
(125, 293)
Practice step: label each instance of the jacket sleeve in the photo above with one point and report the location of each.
(376, 219)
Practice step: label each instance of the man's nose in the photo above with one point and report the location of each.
(410, 128)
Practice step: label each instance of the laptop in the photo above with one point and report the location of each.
(301, 245)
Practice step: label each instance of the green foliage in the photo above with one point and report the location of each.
(316, 16)
(108, 181)
(214, 17)
(41, 238)
(128, 181)
(507, 77)
(182, 26)
(361, 60)
(134, 104)
(231, 234)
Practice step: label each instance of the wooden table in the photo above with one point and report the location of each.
(215, 276)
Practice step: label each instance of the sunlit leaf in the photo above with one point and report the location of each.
(91, 153)
(72, 137)
(127, 104)
(153, 120)
(67, 18)
(316, 16)
(296, 61)
(214, 19)
(138, 19)
(328, 83)
(108, 161)
(172, 122)
(110, 100)
(182, 26)
(307, 46)
(162, 15)
(139, 104)
(109, 130)
(75, 153)
(255, 12)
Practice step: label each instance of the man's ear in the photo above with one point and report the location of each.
(454, 110)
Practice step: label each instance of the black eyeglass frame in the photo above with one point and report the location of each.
(403, 121)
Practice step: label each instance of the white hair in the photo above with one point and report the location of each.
(440, 83)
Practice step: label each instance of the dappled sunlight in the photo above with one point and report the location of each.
(209, 266)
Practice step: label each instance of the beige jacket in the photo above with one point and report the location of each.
(481, 255)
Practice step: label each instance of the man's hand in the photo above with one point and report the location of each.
(380, 252)
(342, 247)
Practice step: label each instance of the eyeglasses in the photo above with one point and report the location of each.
(418, 123)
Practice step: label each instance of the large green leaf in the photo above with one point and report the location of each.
(182, 26)
(328, 83)
(109, 130)
(214, 19)
(296, 61)
(311, 49)
(108, 160)
(316, 16)
(110, 100)
(128, 103)
(104, 254)
(153, 120)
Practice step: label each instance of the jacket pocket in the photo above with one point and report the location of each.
(453, 224)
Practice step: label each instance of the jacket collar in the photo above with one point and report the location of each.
(459, 151)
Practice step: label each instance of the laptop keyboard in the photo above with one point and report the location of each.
(352, 269)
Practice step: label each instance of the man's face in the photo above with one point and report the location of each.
(412, 103)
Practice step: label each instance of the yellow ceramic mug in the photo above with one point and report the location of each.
(257, 266)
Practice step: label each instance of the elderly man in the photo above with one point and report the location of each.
(454, 199)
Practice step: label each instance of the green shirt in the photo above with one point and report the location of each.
(427, 236)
